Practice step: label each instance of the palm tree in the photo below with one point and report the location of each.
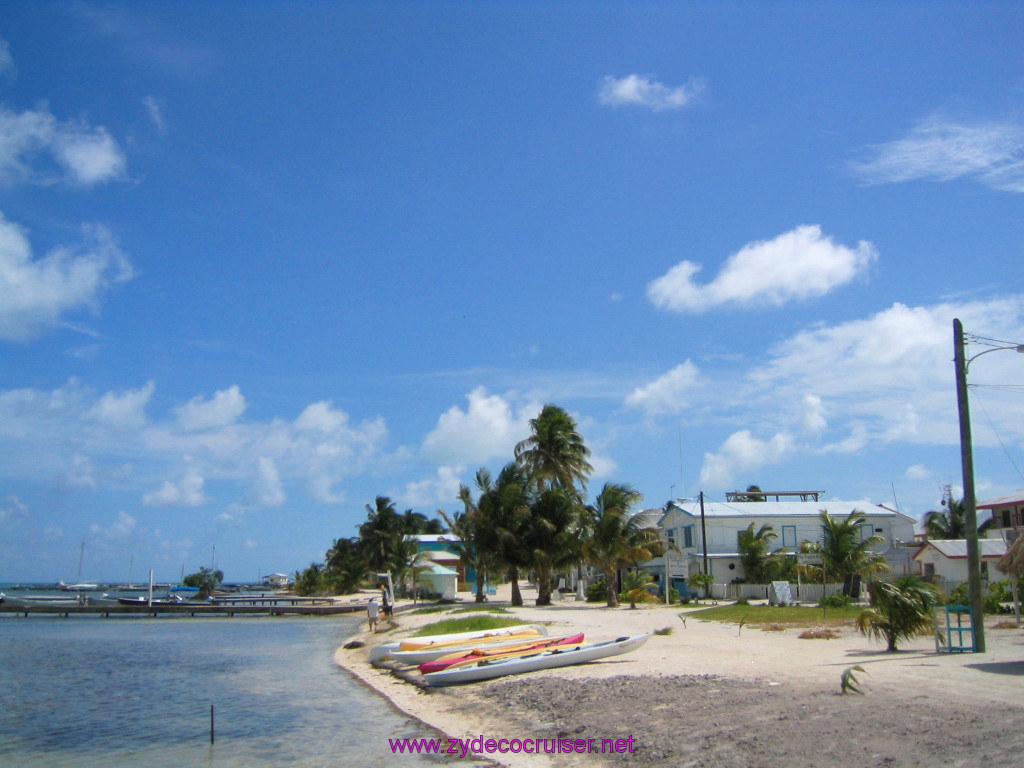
(381, 535)
(617, 537)
(553, 537)
(469, 534)
(635, 587)
(845, 550)
(950, 523)
(345, 566)
(901, 609)
(555, 455)
(754, 551)
(505, 506)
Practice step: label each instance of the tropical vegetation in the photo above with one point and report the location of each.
(900, 610)
(845, 548)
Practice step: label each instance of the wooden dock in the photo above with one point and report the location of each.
(265, 606)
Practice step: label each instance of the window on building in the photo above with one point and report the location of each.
(688, 536)
(789, 535)
(866, 531)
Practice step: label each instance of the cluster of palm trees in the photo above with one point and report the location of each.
(385, 544)
(532, 517)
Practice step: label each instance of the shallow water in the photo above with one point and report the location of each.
(127, 692)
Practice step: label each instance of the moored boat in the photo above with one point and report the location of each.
(548, 659)
(499, 651)
(438, 641)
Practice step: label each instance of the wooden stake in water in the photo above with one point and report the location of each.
(211, 723)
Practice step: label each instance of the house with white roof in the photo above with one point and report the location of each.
(1007, 520)
(944, 561)
(709, 531)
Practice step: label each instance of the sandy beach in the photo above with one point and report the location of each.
(714, 694)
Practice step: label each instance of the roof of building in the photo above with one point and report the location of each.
(1003, 501)
(957, 548)
(784, 508)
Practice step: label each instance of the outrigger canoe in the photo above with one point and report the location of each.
(453, 640)
(499, 651)
(549, 659)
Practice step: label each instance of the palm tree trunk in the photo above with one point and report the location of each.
(480, 587)
(544, 587)
(609, 582)
(517, 597)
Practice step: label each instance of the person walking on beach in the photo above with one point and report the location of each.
(373, 613)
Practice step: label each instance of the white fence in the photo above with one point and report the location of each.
(802, 593)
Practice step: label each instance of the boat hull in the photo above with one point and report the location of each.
(385, 650)
(488, 670)
(499, 651)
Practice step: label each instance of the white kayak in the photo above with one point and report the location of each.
(423, 655)
(486, 670)
(450, 641)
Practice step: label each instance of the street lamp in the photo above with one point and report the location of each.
(962, 362)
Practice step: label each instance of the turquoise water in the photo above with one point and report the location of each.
(127, 692)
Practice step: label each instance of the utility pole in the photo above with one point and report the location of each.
(970, 511)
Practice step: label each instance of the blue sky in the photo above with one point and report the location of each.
(261, 262)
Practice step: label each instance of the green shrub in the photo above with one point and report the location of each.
(597, 592)
(838, 600)
(742, 601)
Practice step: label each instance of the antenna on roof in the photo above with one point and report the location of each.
(894, 499)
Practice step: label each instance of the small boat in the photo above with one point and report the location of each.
(437, 641)
(145, 601)
(51, 601)
(487, 669)
(499, 651)
(80, 586)
(462, 647)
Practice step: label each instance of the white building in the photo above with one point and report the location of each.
(945, 560)
(713, 529)
(1007, 516)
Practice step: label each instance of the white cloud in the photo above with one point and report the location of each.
(667, 393)
(13, 510)
(38, 291)
(942, 150)
(224, 408)
(6, 60)
(814, 420)
(120, 530)
(742, 453)
(889, 377)
(122, 410)
(917, 472)
(641, 91)
(185, 491)
(83, 155)
(268, 490)
(440, 490)
(487, 428)
(799, 264)
(155, 111)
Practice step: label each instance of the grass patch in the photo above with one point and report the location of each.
(1005, 625)
(663, 631)
(468, 624)
(481, 608)
(432, 609)
(785, 616)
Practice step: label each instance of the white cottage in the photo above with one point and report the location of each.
(945, 560)
(712, 529)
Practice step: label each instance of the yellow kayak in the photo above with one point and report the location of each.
(496, 634)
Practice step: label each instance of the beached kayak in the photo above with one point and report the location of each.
(464, 638)
(549, 659)
(499, 651)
